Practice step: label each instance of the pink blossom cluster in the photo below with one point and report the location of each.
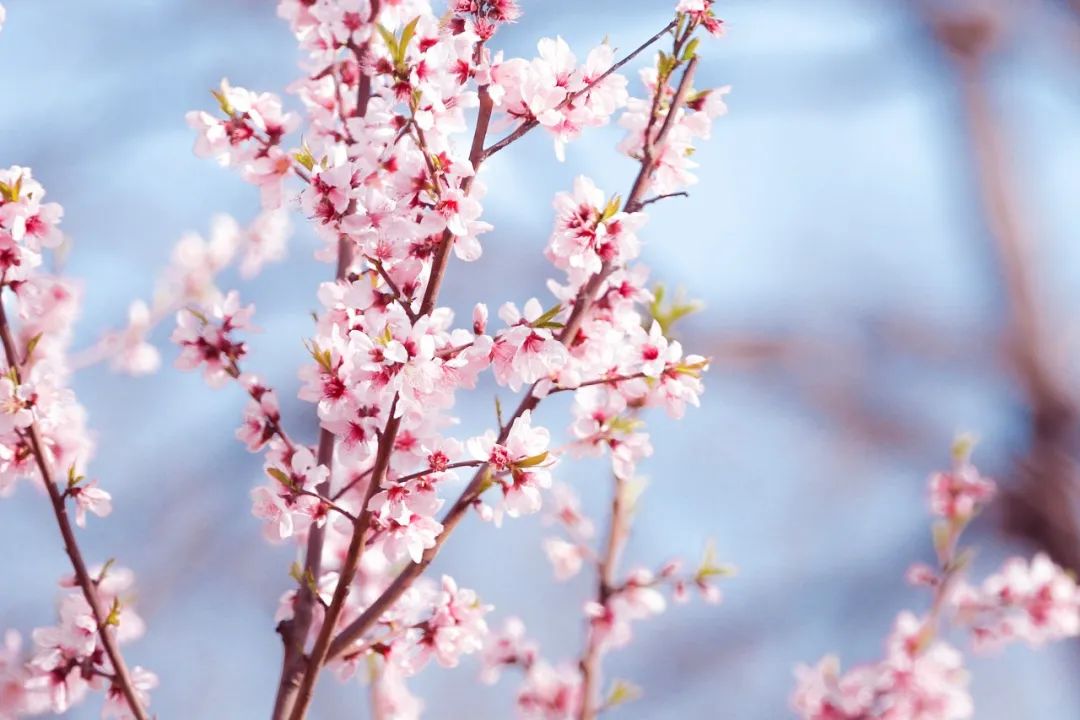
(1028, 601)
(922, 676)
(43, 438)
(917, 680)
(68, 659)
(192, 277)
(385, 179)
(554, 91)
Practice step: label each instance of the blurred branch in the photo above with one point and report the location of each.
(1040, 507)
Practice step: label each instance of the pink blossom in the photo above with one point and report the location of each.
(565, 557)
(1036, 603)
(959, 494)
(505, 648)
(550, 693)
(116, 704)
(89, 497)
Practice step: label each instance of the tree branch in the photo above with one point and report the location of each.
(121, 678)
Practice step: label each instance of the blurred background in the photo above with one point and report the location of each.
(885, 238)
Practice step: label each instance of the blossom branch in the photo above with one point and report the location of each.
(528, 125)
(122, 677)
(569, 333)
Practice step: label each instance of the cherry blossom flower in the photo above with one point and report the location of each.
(505, 648)
(90, 498)
(1036, 603)
(116, 705)
(958, 494)
(550, 693)
(565, 557)
(206, 341)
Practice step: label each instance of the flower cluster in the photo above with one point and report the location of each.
(922, 677)
(192, 279)
(68, 659)
(390, 185)
(1034, 602)
(555, 92)
(43, 436)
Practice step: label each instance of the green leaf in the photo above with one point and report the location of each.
(691, 50)
(546, 320)
(962, 447)
(74, 478)
(31, 345)
(613, 206)
(622, 424)
(280, 475)
(322, 357)
(113, 618)
(389, 39)
(304, 157)
(532, 461)
(406, 37)
(223, 102)
(198, 314)
(711, 567)
(105, 570)
(622, 692)
(499, 412)
(486, 481)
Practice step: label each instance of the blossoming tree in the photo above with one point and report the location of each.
(402, 104)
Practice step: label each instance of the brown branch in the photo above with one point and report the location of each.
(353, 555)
(1040, 509)
(86, 583)
(294, 631)
(665, 196)
(618, 532)
(476, 157)
(319, 653)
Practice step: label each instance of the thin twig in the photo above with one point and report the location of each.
(86, 583)
(658, 198)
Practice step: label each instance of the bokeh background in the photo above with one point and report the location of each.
(885, 237)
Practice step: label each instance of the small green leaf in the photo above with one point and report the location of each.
(621, 424)
(532, 461)
(105, 570)
(962, 447)
(711, 567)
(622, 692)
(546, 320)
(613, 206)
(223, 102)
(113, 618)
(486, 481)
(691, 50)
(389, 39)
(406, 37)
(196, 313)
(31, 346)
(280, 475)
(304, 157)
